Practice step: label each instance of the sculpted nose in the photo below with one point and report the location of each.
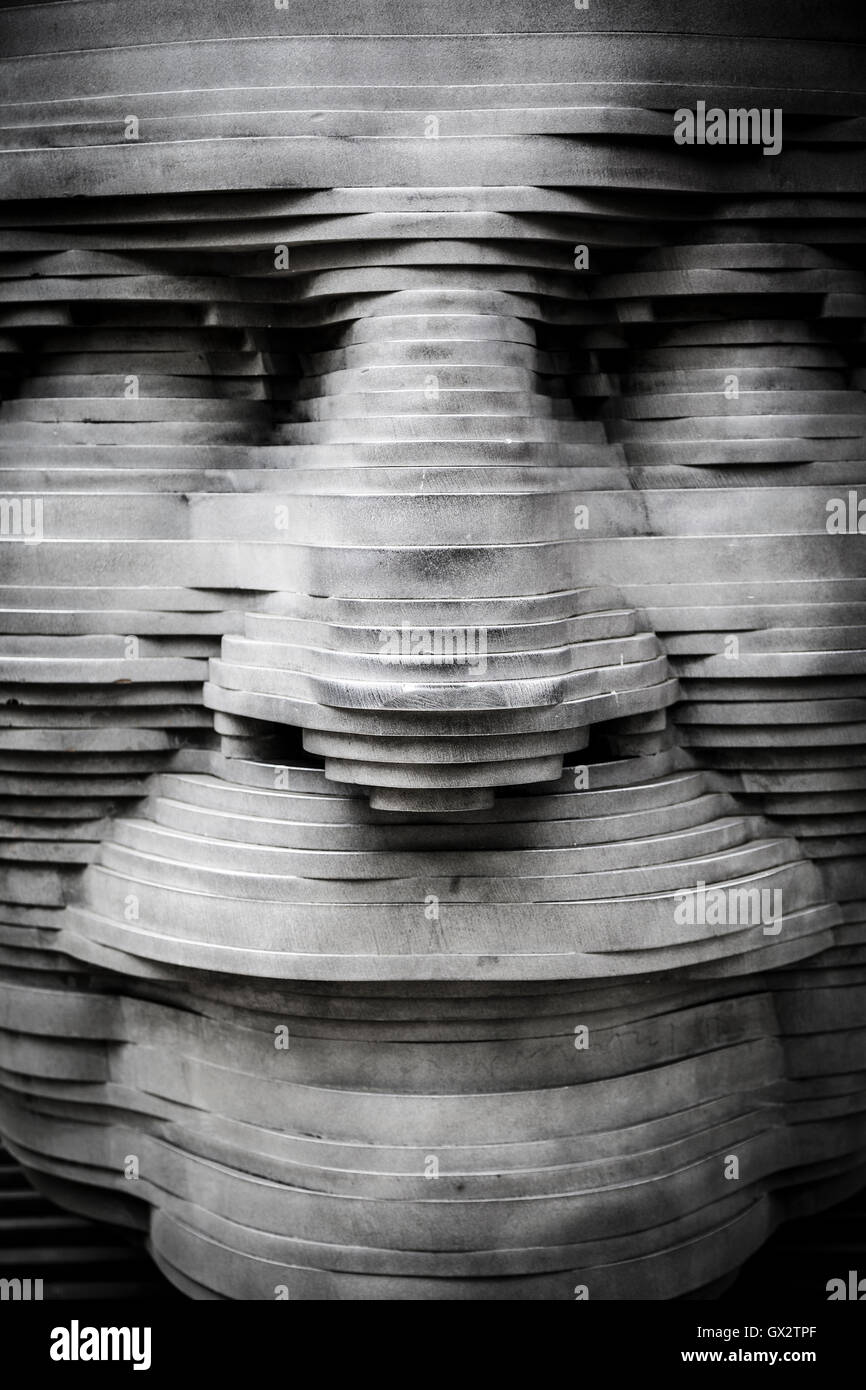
(437, 643)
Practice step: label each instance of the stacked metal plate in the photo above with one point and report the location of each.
(66, 1256)
(431, 627)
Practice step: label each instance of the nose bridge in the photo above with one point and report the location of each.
(435, 646)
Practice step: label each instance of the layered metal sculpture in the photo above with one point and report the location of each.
(432, 660)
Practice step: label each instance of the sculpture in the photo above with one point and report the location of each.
(426, 643)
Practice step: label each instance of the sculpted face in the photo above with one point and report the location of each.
(432, 662)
